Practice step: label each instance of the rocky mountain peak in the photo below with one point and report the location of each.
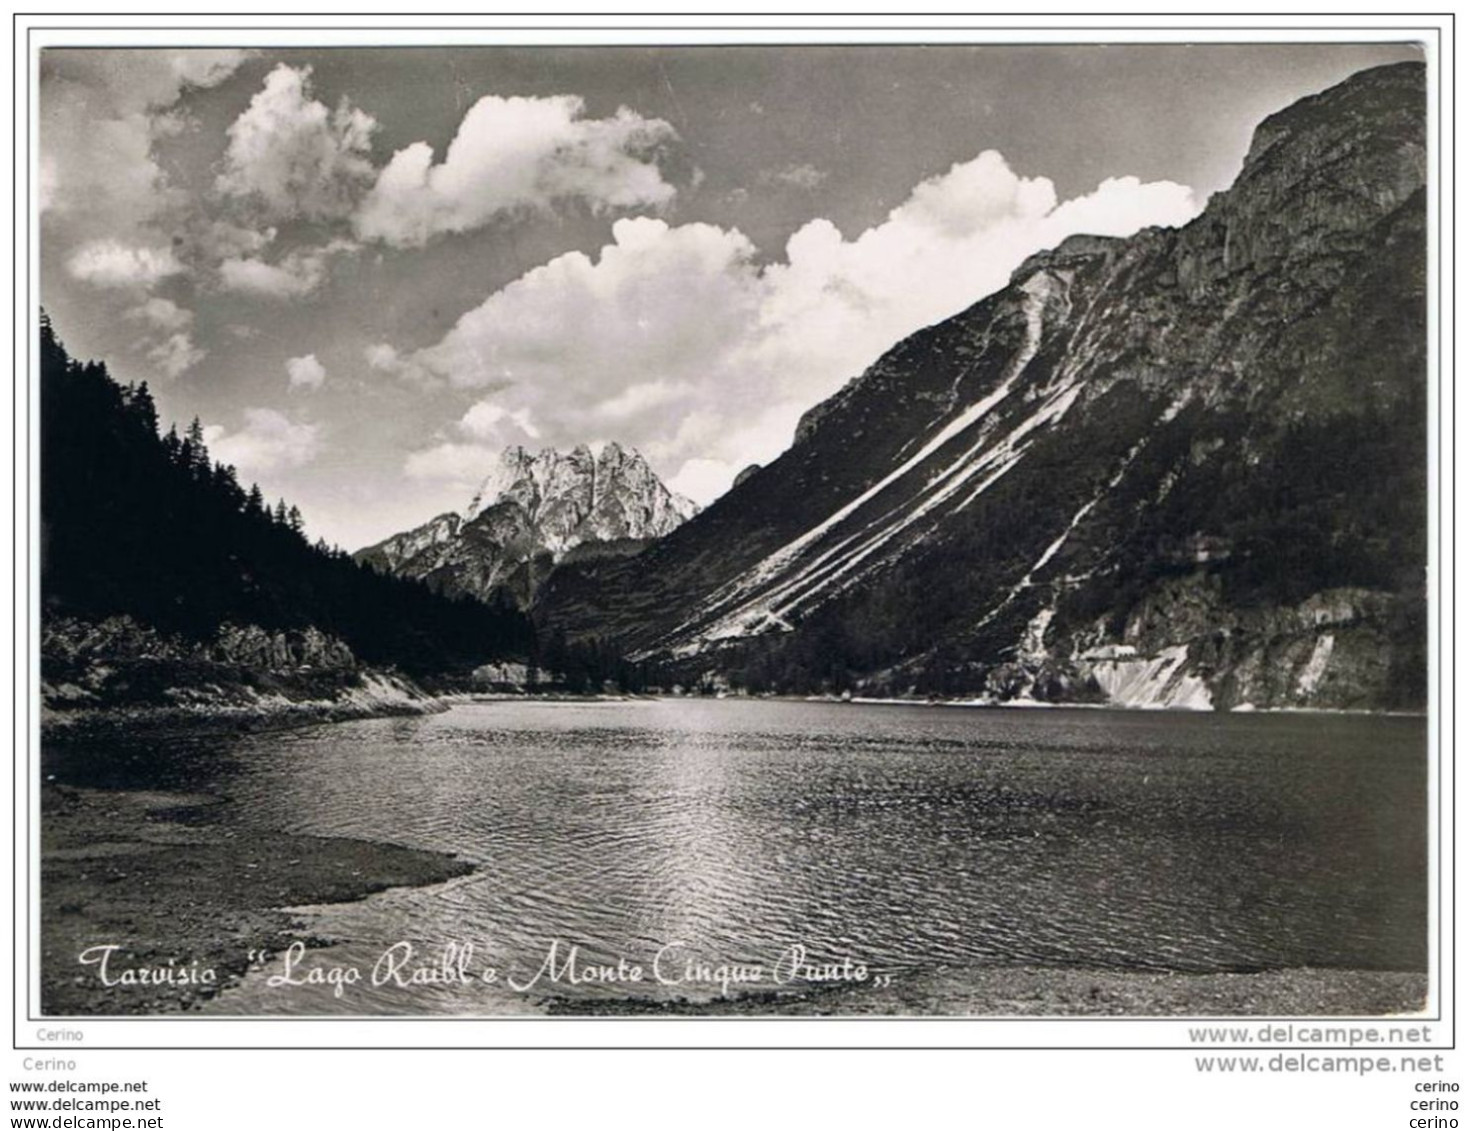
(530, 510)
(1317, 176)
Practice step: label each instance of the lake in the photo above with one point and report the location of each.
(906, 839)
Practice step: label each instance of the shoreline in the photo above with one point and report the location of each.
(162, 877)
(1032, 991)
(376, 694)
(383, 695)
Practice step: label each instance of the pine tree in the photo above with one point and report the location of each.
(198, 452)
(145, 409)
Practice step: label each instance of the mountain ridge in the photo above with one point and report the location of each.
(531, 511)
(1126, 477)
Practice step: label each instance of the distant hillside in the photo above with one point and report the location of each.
(145, 526)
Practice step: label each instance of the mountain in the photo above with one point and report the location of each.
(1187, 468)
(151, 551)
(531, 512)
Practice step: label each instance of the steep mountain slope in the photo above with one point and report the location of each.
(1181, 469)
(531, 512)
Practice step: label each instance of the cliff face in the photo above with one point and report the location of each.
(1181, 469)
(531, 511)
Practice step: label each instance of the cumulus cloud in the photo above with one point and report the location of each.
(385, 358)
(295, 157)
(112, 263)
(305, 372)
(288, 279)
(676, 340)
(269, 441)
(517, 153)
(299, 273)
(668, 294)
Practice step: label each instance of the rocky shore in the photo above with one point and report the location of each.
(174, 887)
(117, 677)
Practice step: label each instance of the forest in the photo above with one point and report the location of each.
(142, 523)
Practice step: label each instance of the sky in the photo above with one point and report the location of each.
(367, 271)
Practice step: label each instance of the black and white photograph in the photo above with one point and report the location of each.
(691, 530)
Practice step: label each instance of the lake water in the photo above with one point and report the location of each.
(911, 839)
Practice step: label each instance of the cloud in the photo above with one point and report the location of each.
(100, 113)
(382, 356)
(224, 239)
(305, 372)
(112, 263)
(485, 421)
(291, 278)
(667, 294)
(269, 441)
(163, 314)
(295, 275)
(385, 358)
(701, 479)
(517, 153)
(288, 279)
(490, 428)
(175, 354)
(806, 177)
(464, 464)
(104, 197)
(141, 78)
(676, 340)
(293, 156)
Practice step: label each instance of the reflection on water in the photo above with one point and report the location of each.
(908, 838)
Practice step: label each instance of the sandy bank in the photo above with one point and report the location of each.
(162, 877)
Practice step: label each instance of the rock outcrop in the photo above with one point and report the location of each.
(115, 676)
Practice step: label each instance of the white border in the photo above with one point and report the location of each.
(323, 31)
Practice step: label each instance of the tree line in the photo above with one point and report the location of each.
(146, 524)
